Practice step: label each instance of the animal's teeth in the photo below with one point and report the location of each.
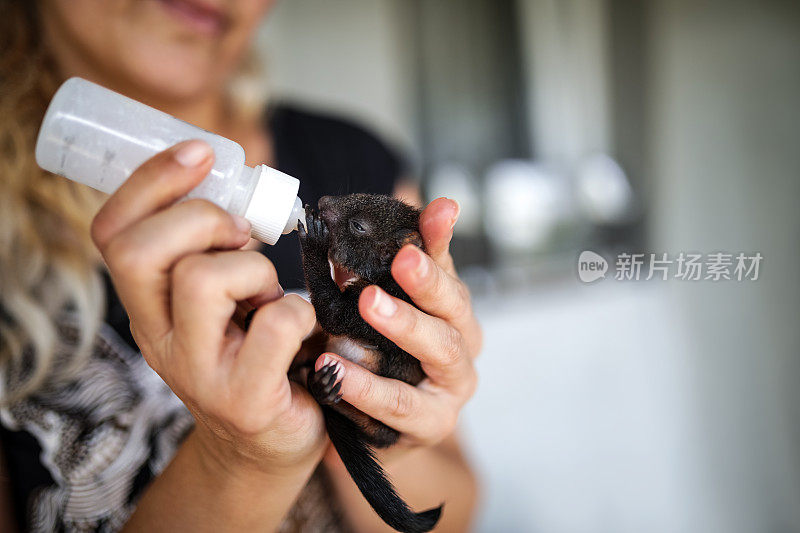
(350, 280)
(333, 270)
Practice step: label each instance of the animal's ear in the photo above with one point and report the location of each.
(409, 237)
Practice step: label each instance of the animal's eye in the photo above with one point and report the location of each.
(357, 227)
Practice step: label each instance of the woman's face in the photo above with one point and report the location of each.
(176, 49)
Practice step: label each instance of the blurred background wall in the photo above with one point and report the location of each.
(610, 125)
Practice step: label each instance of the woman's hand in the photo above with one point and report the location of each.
(180, 273)
(443, 334)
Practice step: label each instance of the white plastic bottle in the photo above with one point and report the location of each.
(98, 137)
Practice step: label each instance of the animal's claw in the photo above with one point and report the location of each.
(318, 226)
(334, 396)
(324, 384)
(312, 225)
(314, 233)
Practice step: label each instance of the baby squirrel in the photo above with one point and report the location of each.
(347, 246)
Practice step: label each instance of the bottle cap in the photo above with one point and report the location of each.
(273, 200)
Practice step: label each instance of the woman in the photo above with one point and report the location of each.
(217, 437)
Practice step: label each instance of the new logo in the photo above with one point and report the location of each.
(591, 266)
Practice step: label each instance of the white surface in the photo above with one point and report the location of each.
(582, 419)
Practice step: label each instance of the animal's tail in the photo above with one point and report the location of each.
(370, 478)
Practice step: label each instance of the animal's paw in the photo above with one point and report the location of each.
(324, 384)
(314, 232)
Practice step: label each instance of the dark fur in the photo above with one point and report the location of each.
(387, 225)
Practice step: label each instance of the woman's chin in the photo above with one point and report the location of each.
(180, 80)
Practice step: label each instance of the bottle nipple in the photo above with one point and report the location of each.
(297, 215)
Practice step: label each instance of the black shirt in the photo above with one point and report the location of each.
(117, 409)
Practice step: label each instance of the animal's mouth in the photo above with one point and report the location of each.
(342, 276)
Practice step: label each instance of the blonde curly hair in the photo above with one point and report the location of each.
(48, 265)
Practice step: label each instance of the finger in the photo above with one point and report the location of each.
(140, 257)
(432, 289)
(436, 226)
(158, 182)
(399, 405)
(274, 337)
(205, 291)
(437, 292)
(438, 345)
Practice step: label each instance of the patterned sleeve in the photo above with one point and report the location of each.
(80, 453)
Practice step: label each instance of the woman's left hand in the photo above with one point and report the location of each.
(443, 334)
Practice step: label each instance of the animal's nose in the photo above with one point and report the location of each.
(327, 210)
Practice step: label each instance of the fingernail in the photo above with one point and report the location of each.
(383, 304)
(242, 224)
(455, 216)
(192, 153)
(325, 361)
